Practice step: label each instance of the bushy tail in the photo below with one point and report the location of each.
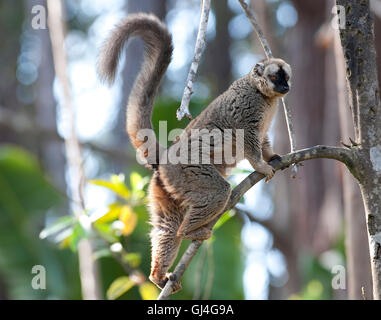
(157, 56)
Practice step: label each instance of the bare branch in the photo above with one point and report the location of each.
(180, 269)
(291, 131)
(336, 153)
(198, 273)
(209, 282)
(343, 155)
(253, 19)
(262, 39)
(200, 44)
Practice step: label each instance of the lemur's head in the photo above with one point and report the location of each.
(272, 77)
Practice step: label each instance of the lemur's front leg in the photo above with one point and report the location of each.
(253, 153)
(267, 152)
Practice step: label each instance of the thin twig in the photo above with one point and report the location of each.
(340, 154)
(257, 28)
(88, 267)
(198, 274)
(291, 132)
(180, 269)
(209, 283)
(262, 39)
(200, 44)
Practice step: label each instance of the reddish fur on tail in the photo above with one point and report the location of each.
(157, 56)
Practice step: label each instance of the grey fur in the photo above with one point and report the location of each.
(185, 198)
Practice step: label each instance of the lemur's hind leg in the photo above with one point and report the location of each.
(205, 194)
(165, 219)
(165, 246)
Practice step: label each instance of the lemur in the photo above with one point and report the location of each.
(185, 198)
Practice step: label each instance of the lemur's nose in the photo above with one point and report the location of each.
(284, 88)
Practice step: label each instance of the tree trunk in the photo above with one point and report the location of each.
(297, 202)
(218, 66)
(317, 180)
(356, 239)
(51, 151)
(357, 40)
(89, 274)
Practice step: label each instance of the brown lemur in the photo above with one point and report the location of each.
(186, 198)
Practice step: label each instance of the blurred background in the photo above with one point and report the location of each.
(285, 237)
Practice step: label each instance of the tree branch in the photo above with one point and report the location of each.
(340, 154)
(250, 14)
(200, 44)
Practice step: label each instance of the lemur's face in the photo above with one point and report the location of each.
(276, 76)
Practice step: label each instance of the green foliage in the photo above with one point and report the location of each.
(317, 281)
(224, 218)
(124, 230)
(24, 196)
(223, 265)
(110, 230)
(119, 286)
(122, 285)
(317, 277)
(116, 184)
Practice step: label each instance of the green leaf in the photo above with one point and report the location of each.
(135, 179)
(148, 291)
(225, 217)
(129, 219)
(59, 225)
(133, 259)
(112, 214)
(106, 231)
(241, 171)
(138, 182)
(116, 184)
(119, 287)
(78, 234)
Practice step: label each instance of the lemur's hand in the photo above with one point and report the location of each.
(266, 170)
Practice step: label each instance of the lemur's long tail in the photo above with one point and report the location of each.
(157, 56)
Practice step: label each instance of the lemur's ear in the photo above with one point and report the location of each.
(259, 68)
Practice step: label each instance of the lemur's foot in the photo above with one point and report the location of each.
(160, 283)
(177, 285)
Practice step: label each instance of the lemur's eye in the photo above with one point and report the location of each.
(287, 78)
(273, 77)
